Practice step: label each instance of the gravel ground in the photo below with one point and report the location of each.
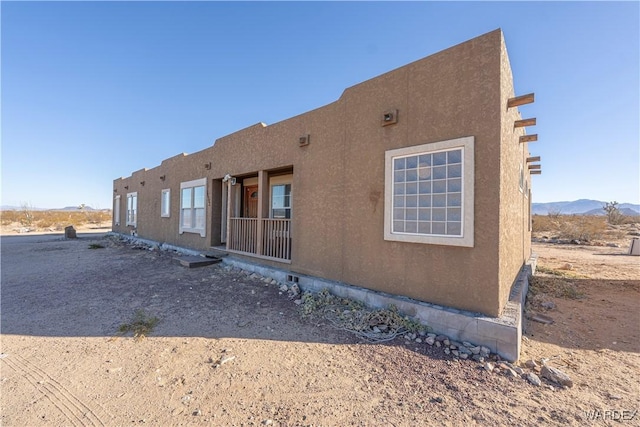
(230, 350)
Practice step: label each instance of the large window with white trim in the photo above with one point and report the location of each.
(193, 206)
(165, 203)
(132, 209)
(429, 193)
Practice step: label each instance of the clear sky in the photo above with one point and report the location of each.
(92, 91)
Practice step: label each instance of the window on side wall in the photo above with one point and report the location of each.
(165, 203)
(116, 210)
(429, 193)
(193, 207)
(132, 209)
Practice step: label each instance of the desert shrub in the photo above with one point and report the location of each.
(544, 223)
(614, 216)
(582, 227)
(9, 217)
(572, 227)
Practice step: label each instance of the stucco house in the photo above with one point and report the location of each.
(415, 183)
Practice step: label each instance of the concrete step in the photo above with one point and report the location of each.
(196, 261)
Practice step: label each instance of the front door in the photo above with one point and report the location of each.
(250, 201)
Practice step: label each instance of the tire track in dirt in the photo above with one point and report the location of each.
(75, 410)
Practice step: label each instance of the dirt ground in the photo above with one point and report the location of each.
(229, 350)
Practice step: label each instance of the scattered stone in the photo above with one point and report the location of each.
(484, 351)
(294, 291)
(431, 335)
(488, 367)
(534, 379)
(614, 397)
(467, 344)
(298, 302)
(497, 370)
(464, 356)
(284, 288)
(510, 373)
(437, 399)
(430, 340)
(475, 350)
(438, 344)
(446, 342)
(531, 364)
(567, 266)
(274, 282)
(267, 422)
(418, 340)
(376, 330)
(455, 353)
(613, 245)
(556, 375)
(197, 412)
(549, 305)
(441, 338)
(70, 232)
(254, 276)
(447, 351)
(519, 370)
(478, 358)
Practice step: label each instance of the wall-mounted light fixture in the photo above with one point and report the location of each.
(389, 117)
(207, 166)
(142, 183)
(163, 177)
(115, 190)
(126, 187)
(304, 140)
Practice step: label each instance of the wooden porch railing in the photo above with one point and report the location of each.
(275, 237)
(243, 234)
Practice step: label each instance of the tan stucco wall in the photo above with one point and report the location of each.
(338, 180)
(515, 236)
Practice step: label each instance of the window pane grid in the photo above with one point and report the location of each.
(427, 193)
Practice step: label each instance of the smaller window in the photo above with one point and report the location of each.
(521, 183)
(165, 201)
(132, 209)
(281, 197)
(116, 210)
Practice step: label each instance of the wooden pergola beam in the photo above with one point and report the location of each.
(534, 167)
(538, 172)
(524, 122)
(529, 138)
(533, 159)
(521, 100)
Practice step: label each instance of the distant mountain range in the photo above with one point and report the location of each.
(66, 208)
(581, 207)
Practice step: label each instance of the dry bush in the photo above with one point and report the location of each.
(56, 219)
(572, 227)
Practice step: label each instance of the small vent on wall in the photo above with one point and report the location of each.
(163, 177)
(292, 279)
(207, 166)
(389, 117)
(304, 140)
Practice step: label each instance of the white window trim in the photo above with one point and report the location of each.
(116, 210)
(165, 213)
(467, 238)
(190, 184)
(127, 222)
(280, 180)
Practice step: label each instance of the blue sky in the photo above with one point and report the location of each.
(92, 91)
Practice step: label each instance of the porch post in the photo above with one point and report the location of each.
(228, 213)
(263, 207)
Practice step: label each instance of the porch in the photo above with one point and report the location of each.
(257, 212)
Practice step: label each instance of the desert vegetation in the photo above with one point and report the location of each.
(587, 228)
(51, 220)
